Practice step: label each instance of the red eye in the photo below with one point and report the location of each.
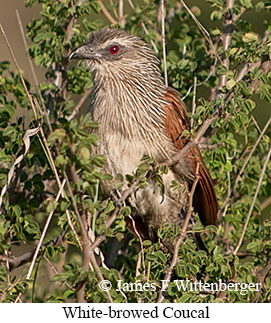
(114, 49)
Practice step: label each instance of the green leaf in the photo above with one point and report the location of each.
(250, 37)
(230, 84)
(183, 63)
(84, 154)
(125, 211)
(99, 160)
(148, 243)
(216, 32)
(228, 166)
(58, 134)
(246, 3)
(17, 210)
(43, 37)
(4, 65)
(68, 294)
(8, 131)
(150, 257)
(161, 256)
(51, 206)
(253, 246)
(184, 298)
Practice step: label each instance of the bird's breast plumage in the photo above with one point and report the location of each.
(135, 126)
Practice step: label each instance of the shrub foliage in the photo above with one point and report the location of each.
(58, 232)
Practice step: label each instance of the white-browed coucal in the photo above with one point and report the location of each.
(138, 115)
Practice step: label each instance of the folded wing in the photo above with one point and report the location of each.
(176, 122)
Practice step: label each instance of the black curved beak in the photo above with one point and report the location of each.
(84, 52)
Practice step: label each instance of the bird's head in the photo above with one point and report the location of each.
(114, 51)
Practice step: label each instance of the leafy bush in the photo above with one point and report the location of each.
(50, 179)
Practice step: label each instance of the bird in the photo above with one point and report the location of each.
(138, 116)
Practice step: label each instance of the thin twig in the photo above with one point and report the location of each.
(78, 106)
(260, 279)
(202, 29)
(33, 70)
(253, 202)
(182, 235)
(141, 254)
(131, 4)
(152, 42)
(194, 101)
(46, 226)
(226, 41)
(89, 259)
(121, 16)
(238, 177)
(107, 13)
(114, 215)
(163, 16)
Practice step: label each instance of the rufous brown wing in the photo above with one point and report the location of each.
(176, 121)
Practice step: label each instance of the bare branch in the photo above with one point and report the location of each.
(194, 101)
(182, 234)
(46, 226)
(78, 106)
(152, 42)
(163, 14)
(238, 177)
(121, 16)
(33, 70)
(202, 29)
(260, 278)
(114, 215)
(226, 41)
(193, 142)
(107, 13)
(141, 254)
(88, 253)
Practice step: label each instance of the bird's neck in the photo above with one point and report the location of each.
(131, 105)
(128, 100)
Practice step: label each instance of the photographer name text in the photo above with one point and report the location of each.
(190, 286)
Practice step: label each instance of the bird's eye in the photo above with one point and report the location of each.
(114, 49)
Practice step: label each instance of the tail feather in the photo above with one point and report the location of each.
(205, 199)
